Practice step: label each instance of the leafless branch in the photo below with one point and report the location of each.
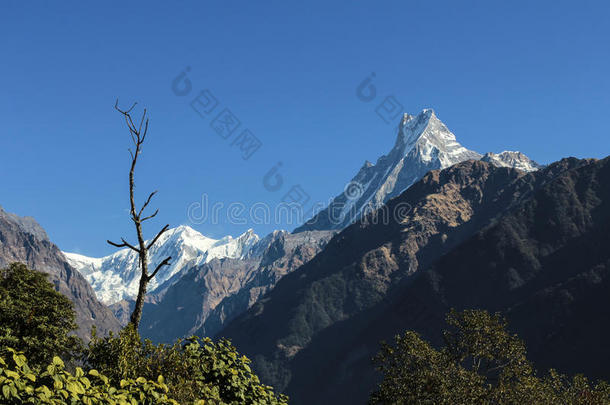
(142, 121)
(138, 135)
(147, 202)
(154, 214)
(145, 130)
(116, 107)
(165, 228)
(165, 262)
(124, 244)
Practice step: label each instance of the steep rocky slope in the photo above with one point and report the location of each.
(23, 240)
(315, 333)
(209, 295)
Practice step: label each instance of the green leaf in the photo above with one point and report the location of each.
(75, 387)
(58, 362)
(79, 372)
(19, 360)
(6, 391)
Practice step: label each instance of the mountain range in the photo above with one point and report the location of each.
(430, 226)
(423, 143)
(211, 294)
(116, 277)
(207, 278)
(531, 245)
(23, 240)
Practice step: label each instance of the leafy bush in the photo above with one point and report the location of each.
(204, 373)
(194, 369)
(36, 324)
(34, 318)
(19, 384)
(481, 363)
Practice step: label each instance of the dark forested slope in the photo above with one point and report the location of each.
(534, 246)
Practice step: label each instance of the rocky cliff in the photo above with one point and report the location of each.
(23, 240)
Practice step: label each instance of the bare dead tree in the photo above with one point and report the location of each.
(138, 135)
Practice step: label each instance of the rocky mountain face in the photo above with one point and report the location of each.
(23, 240)
(208, 283)
(423, 143)
(545, 264)
(209, 295)
(532, 245)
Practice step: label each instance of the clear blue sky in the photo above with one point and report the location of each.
(523, 75)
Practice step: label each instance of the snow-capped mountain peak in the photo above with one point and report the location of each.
(513, 159)
(423, 143)
(431, 139)
(116, 277)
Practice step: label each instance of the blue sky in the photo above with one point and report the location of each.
(523, 75)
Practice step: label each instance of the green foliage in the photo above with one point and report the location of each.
(481, 363)
(34, 318)
(19, 384)
(195, 369)
(35, 324)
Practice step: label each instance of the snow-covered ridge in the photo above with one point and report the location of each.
(512, 159)
(116, 277)
(423, 143)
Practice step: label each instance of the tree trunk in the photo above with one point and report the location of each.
(137, 136)
(136, 315)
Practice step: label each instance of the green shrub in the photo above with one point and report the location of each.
(194, 369)
(19, 384)
(481, 363)
(36, 324)
(34, 318)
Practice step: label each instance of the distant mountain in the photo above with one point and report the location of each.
(209, 282)
(23, 240)
(516, 160)
(533, 245)
(209, 295)
(116, 277)
(423, 143)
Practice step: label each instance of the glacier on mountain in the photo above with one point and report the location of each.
(116, 277)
